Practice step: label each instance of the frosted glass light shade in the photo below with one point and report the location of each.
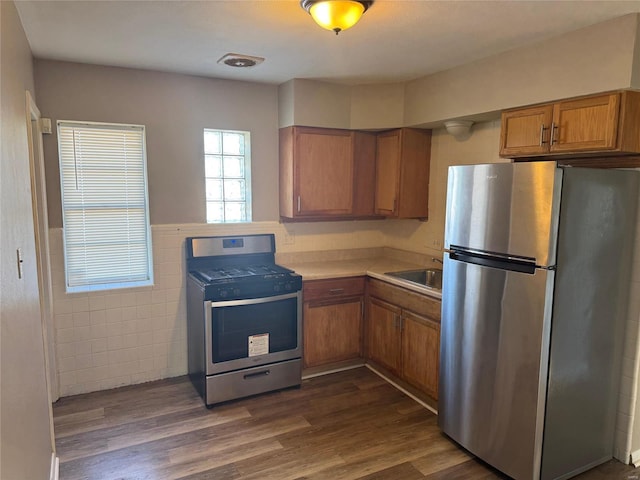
(335, 15)
(458, 128)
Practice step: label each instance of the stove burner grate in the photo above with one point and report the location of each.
(229, 273)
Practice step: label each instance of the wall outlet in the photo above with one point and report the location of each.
(289, 238)
(434, 244)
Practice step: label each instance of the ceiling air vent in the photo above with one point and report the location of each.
(240, 61)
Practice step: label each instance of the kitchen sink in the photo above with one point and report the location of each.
(428, 277)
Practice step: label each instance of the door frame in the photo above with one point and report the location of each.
(41, 231)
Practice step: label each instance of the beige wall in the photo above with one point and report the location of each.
(285, 104)
(377, 106)
(635, 79)
(593, 59)
(321, 104)
(175, 109)
(25, 438)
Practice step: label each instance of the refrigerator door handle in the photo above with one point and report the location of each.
(495, 261)
(485, 253)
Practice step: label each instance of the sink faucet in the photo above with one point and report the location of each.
(436, 260)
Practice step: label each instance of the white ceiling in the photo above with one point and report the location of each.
(394, 40)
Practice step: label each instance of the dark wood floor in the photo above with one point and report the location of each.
(347, 425)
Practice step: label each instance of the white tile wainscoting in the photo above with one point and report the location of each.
(112, 338)
(120, 337)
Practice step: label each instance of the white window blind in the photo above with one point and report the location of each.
(227, 166)
(107, 240)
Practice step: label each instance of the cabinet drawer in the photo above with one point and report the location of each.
(406, 299)
(332, 288)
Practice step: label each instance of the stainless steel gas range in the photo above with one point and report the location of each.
(244, 318)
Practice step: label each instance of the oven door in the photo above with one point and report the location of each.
(247, 333)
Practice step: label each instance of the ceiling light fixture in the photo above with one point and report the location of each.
(459, 129)
(336, 15)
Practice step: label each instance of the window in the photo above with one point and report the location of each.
(227, 167)
(107, 241)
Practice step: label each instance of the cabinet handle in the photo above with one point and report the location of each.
(298, 203)
(393, 210)
(336, 291)
(552, 138)
(361, 309)
(542, 129)
(396, 321)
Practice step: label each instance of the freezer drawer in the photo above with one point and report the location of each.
(493, 363)
(505, 208)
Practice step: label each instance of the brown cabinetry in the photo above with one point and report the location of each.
(326, 173)
(383, 334)
(597, 124)
(403, 334)
(332, 320)
(402, 173)
(420, 352)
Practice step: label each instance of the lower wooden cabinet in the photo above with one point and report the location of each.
(332, 331)
(393, 327)
(405, 342)
(420, 352)
(332, 320)
(383, 338)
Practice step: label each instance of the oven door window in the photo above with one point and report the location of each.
(233, 325)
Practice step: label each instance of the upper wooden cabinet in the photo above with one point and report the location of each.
(606, 123)
(326, 173)
(402, 173)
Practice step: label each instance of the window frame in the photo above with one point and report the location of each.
(248, 187)
(115, 284)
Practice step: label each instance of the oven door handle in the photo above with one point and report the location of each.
(250, 301)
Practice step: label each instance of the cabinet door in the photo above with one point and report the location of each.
(383, 334)
(420, 352)
(413, 186)
(323, 166)
(364, 174)
(387, 172)
(586, 124)
(332, 331)
(525, 131)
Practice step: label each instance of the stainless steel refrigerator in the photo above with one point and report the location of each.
(535, 291)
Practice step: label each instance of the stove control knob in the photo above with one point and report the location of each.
(224, 293)
(236, 291)
(276, 287)
(288, 286)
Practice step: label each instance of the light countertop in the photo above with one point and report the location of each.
(375, 267)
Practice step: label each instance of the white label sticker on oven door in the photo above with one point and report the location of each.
(258, 344)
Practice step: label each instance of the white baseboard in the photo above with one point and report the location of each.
(334, 370)
(409, 394)
(54, 473)
(635, 458)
